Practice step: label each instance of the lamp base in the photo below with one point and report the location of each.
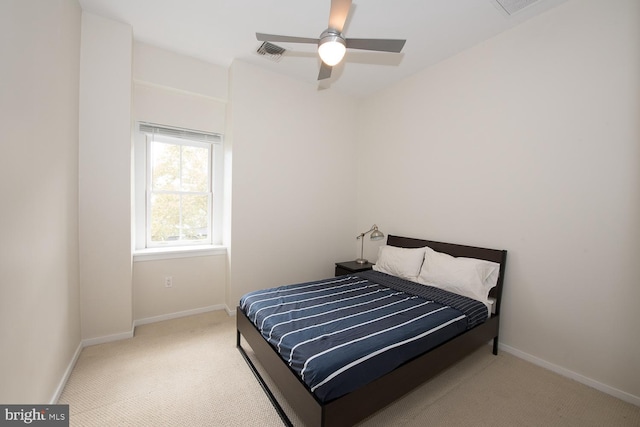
(361, 261)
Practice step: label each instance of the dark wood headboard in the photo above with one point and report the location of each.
(495, 255)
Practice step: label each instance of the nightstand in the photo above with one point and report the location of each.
(350, 267)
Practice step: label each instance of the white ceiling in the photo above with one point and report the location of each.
(219, 31)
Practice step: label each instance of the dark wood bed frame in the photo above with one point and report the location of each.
(353, 407)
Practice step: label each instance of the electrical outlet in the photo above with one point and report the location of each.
(168, 282)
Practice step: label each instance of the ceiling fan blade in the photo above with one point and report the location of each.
(288, 39)
(325, 71)
(381, 45)
(338, 15)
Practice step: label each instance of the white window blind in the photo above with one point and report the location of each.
(192, 135)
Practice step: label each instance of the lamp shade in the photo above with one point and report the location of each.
(331, 48)
(377, 235)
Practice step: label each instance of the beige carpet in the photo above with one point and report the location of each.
(187, 372)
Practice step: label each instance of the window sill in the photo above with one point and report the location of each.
(177, 252)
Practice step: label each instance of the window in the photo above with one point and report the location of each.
(177, 202)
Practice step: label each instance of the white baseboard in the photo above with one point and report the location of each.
(65, 377)
(622, 395)
(179, 314)
(230, 312)
(107, 338)
(154, 319)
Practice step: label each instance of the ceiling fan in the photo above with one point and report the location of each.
(332, 45)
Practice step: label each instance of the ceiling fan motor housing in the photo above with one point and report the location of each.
(331, 35)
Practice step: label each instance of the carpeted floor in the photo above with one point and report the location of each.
(188, 372)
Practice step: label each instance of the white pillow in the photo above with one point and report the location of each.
(400, 262)
(470, 277)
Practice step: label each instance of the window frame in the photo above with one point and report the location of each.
(145, 134)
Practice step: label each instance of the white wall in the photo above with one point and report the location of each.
(198, 283)
(176, 90)
(293, 180)
(529, 142)
(167, 69)
(39, 301)
(105, 177)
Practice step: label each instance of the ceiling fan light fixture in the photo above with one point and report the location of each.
(331, 47)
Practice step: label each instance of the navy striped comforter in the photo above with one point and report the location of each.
(341, 333)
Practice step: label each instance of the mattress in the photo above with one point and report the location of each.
(341, 333)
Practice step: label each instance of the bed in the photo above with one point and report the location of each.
(299, 333)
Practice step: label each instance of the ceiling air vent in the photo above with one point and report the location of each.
(271, 51)
(512, 6)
